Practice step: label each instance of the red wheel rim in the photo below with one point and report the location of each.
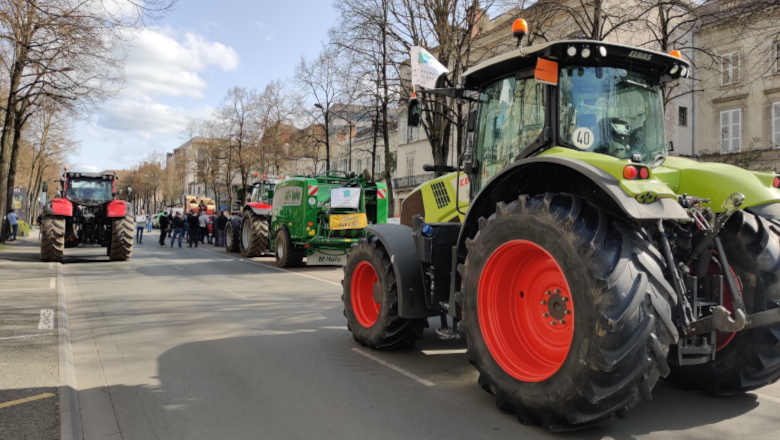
(526, 311)
(364, 281)
(723, 339)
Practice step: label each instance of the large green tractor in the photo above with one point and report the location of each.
(588, 263)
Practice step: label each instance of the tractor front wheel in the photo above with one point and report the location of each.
(371, 299)
(254, 234)
(565, 311)
(286, 253)
(52, 238)
(120, 248)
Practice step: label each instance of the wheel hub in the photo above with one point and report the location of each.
(528, 331)
(365, 294)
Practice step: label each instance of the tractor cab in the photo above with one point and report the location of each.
(89, 189)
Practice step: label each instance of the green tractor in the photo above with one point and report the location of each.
(318, 217)
(587, 263)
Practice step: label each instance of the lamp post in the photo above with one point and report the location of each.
(326, 114)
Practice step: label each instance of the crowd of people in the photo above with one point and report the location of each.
(193, 228)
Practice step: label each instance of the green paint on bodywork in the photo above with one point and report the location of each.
(439, 197)
(717, 181)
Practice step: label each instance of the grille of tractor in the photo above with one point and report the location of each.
(440, 194)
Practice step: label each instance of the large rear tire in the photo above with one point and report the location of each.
(231, 238)
(121, 246)
(52, 238)
(254, 234)
(286, 253)
(371, 299)
(565, 311)
(751, 358)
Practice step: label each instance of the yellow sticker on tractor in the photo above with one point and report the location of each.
(348, 221)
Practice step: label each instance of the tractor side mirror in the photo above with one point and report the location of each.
(670, 146)
(472, 122)
(414, 114)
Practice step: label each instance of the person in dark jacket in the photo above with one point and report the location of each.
(170, 223)
(220, 226)
(162, 222)
(178, 228)
(192, 221)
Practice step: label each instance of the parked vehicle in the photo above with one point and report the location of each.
(589, 263)
(86, 211)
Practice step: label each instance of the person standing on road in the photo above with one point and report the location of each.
(162, 222)
(220, 226)
(14, 222)
(170, 223)
(193, 222)
(203, 223)
(149, 223)
(140, 224)
(178, 228)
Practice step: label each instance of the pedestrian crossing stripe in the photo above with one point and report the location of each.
(313, 190)
(382, 193)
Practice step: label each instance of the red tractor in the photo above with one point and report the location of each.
(86, 211)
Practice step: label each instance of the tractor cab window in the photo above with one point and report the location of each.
(511, 116)
(611, 111)
(90, 192)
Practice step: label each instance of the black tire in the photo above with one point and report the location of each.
(286, 254)
(253, 235)
(622, 322)
(52, 238)
(120, 248)
(751, 359)
(389, 331)
(231, 237)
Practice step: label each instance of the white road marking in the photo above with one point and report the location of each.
(21, 289)
(51, 265)
(408, 374)
(236, 294)
(430, 352)
(766, 397)
(26, 336)
(177, 267)
(282, 270)
(335, 327)
(52, 283)
(46, 321)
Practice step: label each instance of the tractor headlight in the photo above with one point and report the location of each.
(674, 70)
(684, 72)
(585, 52)
(602, 51)
(571, 51)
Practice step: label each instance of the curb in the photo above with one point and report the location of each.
(70, 415)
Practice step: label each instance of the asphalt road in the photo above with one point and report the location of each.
(199, 344)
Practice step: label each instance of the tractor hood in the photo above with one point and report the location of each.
(717, 181)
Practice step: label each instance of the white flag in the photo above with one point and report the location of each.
(425, 68)
(345, 198)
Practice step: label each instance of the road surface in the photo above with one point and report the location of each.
(200, 344)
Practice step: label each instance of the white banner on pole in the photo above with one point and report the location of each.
(345, 198)
(425, 68)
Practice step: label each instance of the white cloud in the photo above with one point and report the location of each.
(260, 25)
(162, 64)
(148, 117)
(84, 168)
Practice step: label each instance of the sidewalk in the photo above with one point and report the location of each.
(29, 362)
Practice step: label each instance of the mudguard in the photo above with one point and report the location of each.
(118, 208)
(260, 208)
(59, 206)
(540, 174)
(399, 242)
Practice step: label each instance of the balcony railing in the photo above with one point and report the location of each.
(411, 181)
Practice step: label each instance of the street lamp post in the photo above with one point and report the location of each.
(326, 114)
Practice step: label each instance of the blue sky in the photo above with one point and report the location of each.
(182, 68)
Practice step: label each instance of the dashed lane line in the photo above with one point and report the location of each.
(25, 400)
(278, 268)
(432, 352)
(236, 294)
(394, 367)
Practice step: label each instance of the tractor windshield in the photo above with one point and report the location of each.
(611, 111)
(90, 192)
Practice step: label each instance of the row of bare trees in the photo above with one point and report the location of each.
(60, 54)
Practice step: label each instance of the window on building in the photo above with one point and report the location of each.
(412, 135)
(378, 163)
(776, 123)
(729, 68)
(731, 131)
(774, 57)
(683, 116)
(409, 165)
(360, 166)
